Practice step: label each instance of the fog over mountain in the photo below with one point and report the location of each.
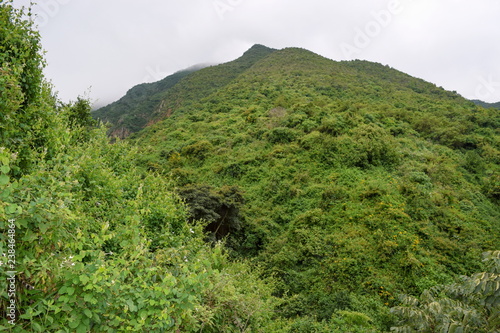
(109, 46)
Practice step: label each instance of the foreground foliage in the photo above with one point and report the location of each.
(100, 244)
(471, 305)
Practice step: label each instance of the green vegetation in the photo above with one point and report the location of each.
(100, 244)
(280, 192)
(487, 105)
(132, 112)
(148, 103)
(472, 305)
(359, 181)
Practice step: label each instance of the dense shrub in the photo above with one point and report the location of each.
(281, 135)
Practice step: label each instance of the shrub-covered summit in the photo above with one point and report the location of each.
(359, 182)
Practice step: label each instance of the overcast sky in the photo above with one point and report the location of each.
(108, 46)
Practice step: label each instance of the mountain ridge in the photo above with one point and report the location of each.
(128, 108)
(141, 107)
(487, 105)
(147, 103)
(349, 182)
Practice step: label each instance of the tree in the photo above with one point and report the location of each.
(28, 117)
(79, 114)
(221, 209)
(21, 51)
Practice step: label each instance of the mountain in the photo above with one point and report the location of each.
(148, 102)
(281, 192)
(132, 112)
(346, 183)
(487, 105)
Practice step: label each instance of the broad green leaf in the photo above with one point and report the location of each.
(4, 179)
(74, 322)
(88, 313)
(37, 327)
(82, 329)
(131, 305)
(70, 291)
(44, 227)
(84, 279)
(11, 209)
(26, 316)
(90, 299)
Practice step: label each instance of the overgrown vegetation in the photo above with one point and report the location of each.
(148, 103)
(360, 182)
(133, 111)
(471, 305)
(281, 192)
(487, 105)
(100, 244)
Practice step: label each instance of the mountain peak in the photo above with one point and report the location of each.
(259, 49)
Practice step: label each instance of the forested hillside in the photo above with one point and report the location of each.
(280, 192)
(487, 105)
(132, 112)
(349, 182)
(148, 103)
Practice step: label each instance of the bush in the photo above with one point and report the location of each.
(470, 305)
(281, 135)
(367, 145)
(199, 150)
(100, 244)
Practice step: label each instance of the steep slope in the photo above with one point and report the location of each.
(359, 181)
(147, 103)
(132, 112)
